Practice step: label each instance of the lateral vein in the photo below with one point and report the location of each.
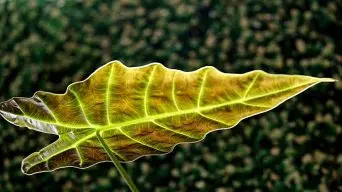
(137, 141)
(172, 130)
(81, 107)
(110, 80)
(174, 91)
(200, 94)
(251, 85)
(146, 91)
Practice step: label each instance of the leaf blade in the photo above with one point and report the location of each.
(144, 111)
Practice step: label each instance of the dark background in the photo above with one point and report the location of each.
(46, 45)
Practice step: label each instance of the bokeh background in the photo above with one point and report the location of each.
(46, 45)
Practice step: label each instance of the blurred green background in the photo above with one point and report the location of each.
(46, 45)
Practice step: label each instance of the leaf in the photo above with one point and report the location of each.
(142, 111)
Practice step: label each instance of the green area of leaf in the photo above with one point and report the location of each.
(141, 111)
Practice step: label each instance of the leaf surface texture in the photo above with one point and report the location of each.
(142, 111)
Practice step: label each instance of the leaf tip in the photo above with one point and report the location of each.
(328, 80)
(25, 167)
(33, 164)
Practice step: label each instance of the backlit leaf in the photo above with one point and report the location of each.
(145, 110)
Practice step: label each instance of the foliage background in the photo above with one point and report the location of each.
(46, 45)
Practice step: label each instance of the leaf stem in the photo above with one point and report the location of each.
(117, 164)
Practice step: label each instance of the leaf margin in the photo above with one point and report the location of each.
(319, 80)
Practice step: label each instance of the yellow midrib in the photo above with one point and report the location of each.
(165, 115)
(194, 110)
(175, 113)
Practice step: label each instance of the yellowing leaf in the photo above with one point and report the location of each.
(145, 110)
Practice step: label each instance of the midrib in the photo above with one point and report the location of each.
(165, 115)
(193, 110)
(162, 116)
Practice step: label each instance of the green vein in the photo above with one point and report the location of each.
(146, 90)
(39, 120)
(49, 122)
(160, 116)
(110, 79)
(252, 98)
(137, 141)
(251, 85)
(19, 107)
(74, 145)
(278, 91)
(174, 91)
(252, 105)
(212, 119)
(24, 114)
(27, 116)
(172, 130)
(200, 94)
(47, 107)
(196, 110)
(79, 156)
(81, 107)
(165, 115)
